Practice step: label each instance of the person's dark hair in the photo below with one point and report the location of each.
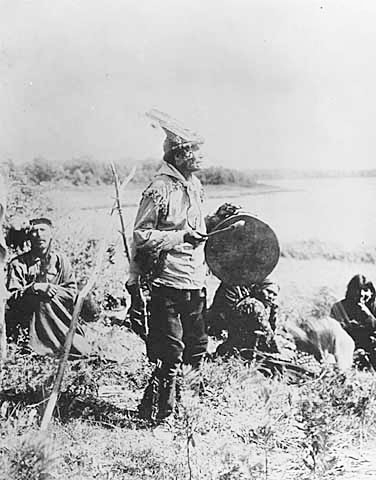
(17, 239)
(169, 156)
(257, 288)
(356, 284)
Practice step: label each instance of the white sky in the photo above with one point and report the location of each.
(268, 83)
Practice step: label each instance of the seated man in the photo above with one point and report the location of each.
(42, 289)
(248, 313)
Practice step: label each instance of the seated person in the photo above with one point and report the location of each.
(357, 315)
(42, 290)
(248, 313)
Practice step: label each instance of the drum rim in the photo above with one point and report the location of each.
(238, 217)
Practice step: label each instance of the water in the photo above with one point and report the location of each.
(339, 211)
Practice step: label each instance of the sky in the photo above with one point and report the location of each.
(268, 83)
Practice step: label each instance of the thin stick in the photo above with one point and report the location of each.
(234, 226)
(72, 328)
(3, 254)
(3, 338)
(121, 189)
(120, 212)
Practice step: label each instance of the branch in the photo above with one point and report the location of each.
(120, 212)
(75, 316)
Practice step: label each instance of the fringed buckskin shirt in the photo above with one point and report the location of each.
(169, 207)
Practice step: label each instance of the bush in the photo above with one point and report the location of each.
(83, 171)
(41, 170)
(225, 176)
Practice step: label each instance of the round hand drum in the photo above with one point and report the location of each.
(243, 255)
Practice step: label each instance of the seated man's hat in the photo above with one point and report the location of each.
(41, 220)
(177, 136)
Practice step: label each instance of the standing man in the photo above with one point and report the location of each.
(169, 249)
(3, 251)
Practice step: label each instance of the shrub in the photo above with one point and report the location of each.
(217, 175)
(82, 171)
(41, 170)
(32, 459)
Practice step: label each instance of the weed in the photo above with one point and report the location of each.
(32, 458)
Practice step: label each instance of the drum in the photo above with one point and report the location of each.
(243, 255)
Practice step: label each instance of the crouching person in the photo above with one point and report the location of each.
(41, 292)
(247, 314)
(325, 339)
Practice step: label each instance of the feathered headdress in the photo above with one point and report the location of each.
(176, 135)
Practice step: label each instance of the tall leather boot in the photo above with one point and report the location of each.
(167, 392)
(149, 405)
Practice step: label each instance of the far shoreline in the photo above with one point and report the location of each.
(101, 196)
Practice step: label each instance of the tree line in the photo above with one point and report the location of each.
(84, 171)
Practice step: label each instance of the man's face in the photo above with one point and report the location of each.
(190, 160)
(365, 294)
(40, 236)
(270, 295)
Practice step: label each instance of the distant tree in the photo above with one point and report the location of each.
(218, 175)
(41, 170)
(146, 170)
(8, 168)
(82, 171)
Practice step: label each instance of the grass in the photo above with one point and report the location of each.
(313, 249)
(246, 427)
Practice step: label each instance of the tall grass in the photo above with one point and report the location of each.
(246, 427)
(31, 458)
(312, 249)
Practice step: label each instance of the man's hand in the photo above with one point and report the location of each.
(227, 210)
(48, 290)
(193, 238)
(244, 306)
(138, 310)
(224, 211)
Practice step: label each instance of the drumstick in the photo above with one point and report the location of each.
(236, 225)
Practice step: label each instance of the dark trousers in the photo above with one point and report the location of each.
(177, 334)
(177, 330)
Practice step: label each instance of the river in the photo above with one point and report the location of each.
(337, 210)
